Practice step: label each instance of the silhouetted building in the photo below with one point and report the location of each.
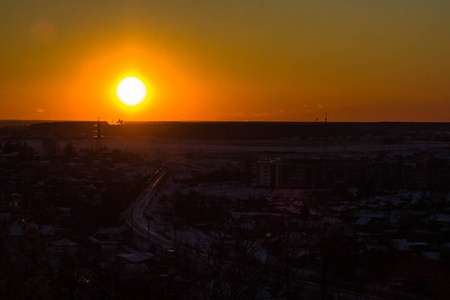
(430, 173)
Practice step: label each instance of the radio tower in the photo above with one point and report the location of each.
(98, 136)
(326, 137)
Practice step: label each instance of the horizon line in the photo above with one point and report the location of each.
(210, 121)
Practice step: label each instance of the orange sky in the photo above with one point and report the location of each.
(284, 60)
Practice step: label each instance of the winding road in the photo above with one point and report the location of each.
(135, 218)
(135, 214)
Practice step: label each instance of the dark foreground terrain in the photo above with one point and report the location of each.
(296, 211)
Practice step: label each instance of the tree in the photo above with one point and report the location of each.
(51, 147)
(69, 150)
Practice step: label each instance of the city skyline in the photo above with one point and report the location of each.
(226, 61)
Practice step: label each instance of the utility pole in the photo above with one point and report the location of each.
(326, 137)
(98, 136)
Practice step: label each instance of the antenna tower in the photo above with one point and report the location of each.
(98, 136)
(326, 137)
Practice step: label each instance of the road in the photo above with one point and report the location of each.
(135, 217)
(135, 214)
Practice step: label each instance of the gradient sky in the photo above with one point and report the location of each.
(233, 60)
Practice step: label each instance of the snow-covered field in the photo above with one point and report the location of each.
(170, 149)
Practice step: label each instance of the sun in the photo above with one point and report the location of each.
(131, 91)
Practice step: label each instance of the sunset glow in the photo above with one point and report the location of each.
(227, 61)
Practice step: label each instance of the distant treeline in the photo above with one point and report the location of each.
(233, 130)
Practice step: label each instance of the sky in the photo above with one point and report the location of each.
(234, 60)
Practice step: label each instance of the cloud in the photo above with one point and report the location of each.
(40, 110)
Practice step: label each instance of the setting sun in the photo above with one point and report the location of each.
(131, 91)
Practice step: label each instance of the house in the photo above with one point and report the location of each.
(400, 245)
(67, 247)
(16, 230)
(47, 230)
(132, 264)
(5, 217)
